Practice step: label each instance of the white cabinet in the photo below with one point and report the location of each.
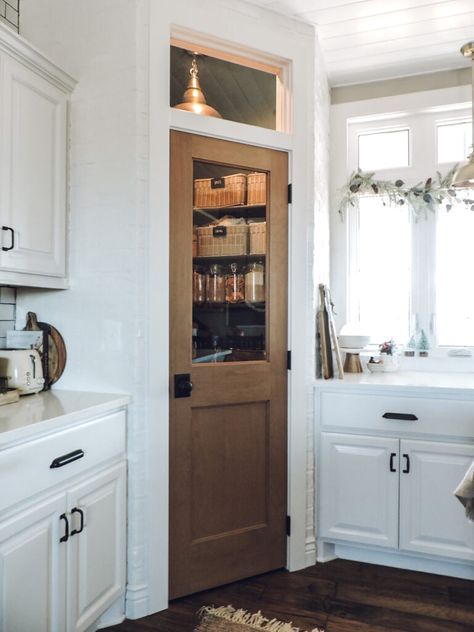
(33, 158)
(370, 485)
(432, 518)
(387, 469)
(33, 569)
(96, 553)
(359, 489)
(62, 544)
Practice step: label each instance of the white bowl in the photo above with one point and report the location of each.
(353, 341)
(375, 367)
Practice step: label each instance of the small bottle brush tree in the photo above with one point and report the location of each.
(423, 344)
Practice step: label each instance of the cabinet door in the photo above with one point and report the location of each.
(432, 519)
(33, 172)
(96, 556)
(359, 489)
(33, 569)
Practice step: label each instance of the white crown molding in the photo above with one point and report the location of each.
(17, 47)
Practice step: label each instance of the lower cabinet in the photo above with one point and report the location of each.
(395, 493)
(62, 561)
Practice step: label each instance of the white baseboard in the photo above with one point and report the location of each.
(310, 552)
(136, 601)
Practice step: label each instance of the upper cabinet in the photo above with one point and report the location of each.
(34, 97)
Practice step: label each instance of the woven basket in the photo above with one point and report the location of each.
(257, 188)
(225, 191)
(258, 238)
(234, 242)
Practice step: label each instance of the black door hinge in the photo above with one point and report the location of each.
(288, 360)
(290, 193)
(288, 526)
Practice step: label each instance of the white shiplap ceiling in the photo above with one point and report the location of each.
(370, 40)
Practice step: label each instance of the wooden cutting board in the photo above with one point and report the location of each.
(54, 355)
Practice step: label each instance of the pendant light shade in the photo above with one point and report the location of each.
(193, 97)
(464, 176)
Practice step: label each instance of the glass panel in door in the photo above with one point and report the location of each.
(229, 263)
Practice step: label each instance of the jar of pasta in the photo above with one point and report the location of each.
(255, 282)
(234, 285)
(215, 284)
(199, 286)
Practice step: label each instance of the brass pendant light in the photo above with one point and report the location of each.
(193, 97)
(464, 176)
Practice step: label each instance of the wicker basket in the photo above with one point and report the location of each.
(257, 188)
(225, 191)
(258, 238)
(213, 244)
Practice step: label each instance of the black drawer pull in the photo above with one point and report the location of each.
(65, 537)
(65, 459)
(12, 235)
(400, 416)
(406, 470)
(81, 528)
(392, 456)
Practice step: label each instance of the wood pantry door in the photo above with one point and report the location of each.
(228, 339)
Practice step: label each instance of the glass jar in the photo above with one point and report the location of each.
(255, 282)
(215, 284)
(234, 285)
(199, 286)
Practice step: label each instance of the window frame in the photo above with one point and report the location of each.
(423, 155)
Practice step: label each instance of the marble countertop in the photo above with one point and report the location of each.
(429, 383)
(37, 415)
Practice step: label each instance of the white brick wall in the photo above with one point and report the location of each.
(10, 13)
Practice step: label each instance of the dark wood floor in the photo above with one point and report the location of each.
(339, 596)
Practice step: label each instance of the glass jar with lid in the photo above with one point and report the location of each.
(199, 286)
(234, 285)
(255, 282)
(215, 284)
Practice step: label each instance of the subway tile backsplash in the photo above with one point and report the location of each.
(10, 13)
(7, 312)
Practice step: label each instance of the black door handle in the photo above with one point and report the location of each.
(12, 234)
(65, 537)
(392, 456)
(182, 385)
(81, 528)
(65, 459)
(400, 416)
(406, 470)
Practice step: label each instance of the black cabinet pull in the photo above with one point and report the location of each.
(182, 385)
(407, 464)
(81, 528)
(65, 459)
(400, 416)
(392, 456)
(12, 235)
(65, 537)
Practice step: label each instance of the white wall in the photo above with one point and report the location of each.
(115, 316)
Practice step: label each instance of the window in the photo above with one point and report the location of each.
(405, 273)
(384, 150)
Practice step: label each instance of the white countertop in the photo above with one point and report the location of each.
(36, 415)
(428, 383)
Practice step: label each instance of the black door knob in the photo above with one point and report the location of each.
(182, 385)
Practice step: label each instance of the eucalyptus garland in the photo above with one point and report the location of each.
(421, 198)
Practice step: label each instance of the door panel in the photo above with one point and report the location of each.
(432, 520)
(228, 439)
(33, 569)
(359, 489)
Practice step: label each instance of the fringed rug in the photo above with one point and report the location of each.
(228, 619)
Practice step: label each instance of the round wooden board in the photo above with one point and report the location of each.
(56, 348)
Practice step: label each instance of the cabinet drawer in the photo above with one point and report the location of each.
(407, 415)
(26, 470)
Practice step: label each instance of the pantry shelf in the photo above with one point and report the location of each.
(228, 259)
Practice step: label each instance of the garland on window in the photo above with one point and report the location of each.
(421, 198)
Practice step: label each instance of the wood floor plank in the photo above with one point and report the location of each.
(339, 596)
